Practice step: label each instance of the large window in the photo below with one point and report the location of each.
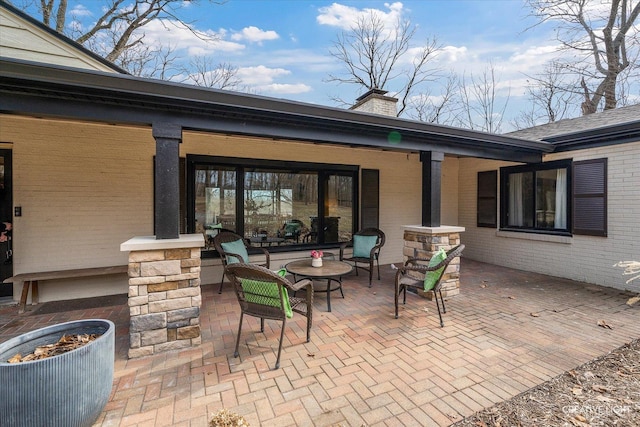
(274, 204)
(536, 197)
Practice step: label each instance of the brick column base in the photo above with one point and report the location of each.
(423, 242)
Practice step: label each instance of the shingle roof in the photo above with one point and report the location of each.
(607, 118)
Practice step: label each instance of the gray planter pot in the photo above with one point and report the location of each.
(68, 390)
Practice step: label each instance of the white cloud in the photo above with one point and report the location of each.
(254, 35)
(345, 17)
(534, 55)
(79, 11)
(260, 75)
(195, 42)
(262, 80)
(452, 53)
(284, 89)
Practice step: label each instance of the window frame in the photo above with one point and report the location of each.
(241, 165)
(506, 171)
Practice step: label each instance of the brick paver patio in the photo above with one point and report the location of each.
(506, 332)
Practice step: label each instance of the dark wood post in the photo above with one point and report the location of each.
(431, 180)
(167, 180)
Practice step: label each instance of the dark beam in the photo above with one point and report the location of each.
(431, 181)
(167, 180)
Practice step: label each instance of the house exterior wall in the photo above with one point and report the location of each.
(449, 191)
(583, 258)
(84, 188)
(21, 39)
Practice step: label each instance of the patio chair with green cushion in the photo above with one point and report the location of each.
(425, 277)
(265, 294)
(291, 230)
(366, 250)
(233, 249)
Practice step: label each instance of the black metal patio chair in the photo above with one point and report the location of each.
(265, 294)
(412, 275)
(232, 249)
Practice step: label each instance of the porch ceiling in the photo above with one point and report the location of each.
(31, 88)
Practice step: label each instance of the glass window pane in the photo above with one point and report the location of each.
(551, 199)
(215, 200)
(338, 221)
(520, 200)
(278, 206)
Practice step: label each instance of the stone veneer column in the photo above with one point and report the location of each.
(164, 293)
(423, 242)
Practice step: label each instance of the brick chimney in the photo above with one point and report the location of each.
(375, 101)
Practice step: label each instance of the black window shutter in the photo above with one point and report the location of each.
(370, 198)
(487, 202)
(590, 197)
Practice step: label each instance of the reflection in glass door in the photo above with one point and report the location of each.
(338, 208)
(6, 205)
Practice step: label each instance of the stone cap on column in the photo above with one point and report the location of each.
(443, 229)
(149, 243)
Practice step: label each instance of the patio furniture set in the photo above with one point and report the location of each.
(268, 294)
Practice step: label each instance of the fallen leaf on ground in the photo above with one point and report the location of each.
(511, 297)
(535, 315)
(311, 355)
(633, 300)
(603, 324)
(579, 421)
(600, 388)
(577, 391)
(483, 286)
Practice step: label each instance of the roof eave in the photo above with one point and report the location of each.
(598, 137)
(167, 96)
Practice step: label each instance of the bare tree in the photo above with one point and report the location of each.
(479, 103)
(149, 61)
(204, 72)
(119, 28)
(605, 41)
(438, 109)
(373, 56)
(551, 97)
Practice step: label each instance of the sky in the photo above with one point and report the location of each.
(282, 47)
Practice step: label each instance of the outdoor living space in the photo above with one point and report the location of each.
(507, 331)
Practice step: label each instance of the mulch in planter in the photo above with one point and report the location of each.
(65, 343)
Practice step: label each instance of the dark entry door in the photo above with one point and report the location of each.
(6, 204)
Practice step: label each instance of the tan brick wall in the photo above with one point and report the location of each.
(84, 189)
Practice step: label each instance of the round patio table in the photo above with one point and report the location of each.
(331, 271)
